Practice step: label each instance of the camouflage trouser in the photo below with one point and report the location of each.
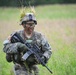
(22, 70)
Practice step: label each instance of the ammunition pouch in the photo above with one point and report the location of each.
(8, 57)
(13, 57)
(17, 58)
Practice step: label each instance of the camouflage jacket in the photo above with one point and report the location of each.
(37, 38)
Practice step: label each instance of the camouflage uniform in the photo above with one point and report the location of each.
(22, 68)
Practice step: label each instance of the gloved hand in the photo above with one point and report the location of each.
(44, 59)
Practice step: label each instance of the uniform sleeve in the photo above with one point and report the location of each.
(13, 47)
(9, 47)
(46, 47)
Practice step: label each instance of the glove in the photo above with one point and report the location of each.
(44, 59)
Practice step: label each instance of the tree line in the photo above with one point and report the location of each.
(18, 3)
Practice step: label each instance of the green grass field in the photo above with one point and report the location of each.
(58, 24)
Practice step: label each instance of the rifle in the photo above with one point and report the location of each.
(31, 50)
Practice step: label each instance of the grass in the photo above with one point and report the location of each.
(5, 67)
(58, 24)
(52, 12)
(5, 16)
(57, 12)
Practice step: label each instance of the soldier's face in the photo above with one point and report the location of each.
(29, 26)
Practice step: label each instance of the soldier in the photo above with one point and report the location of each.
(15, 51)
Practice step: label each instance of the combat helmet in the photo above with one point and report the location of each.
(28, 17)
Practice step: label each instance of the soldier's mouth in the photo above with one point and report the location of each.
(30, 29)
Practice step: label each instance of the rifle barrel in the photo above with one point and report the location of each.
(48, 69)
